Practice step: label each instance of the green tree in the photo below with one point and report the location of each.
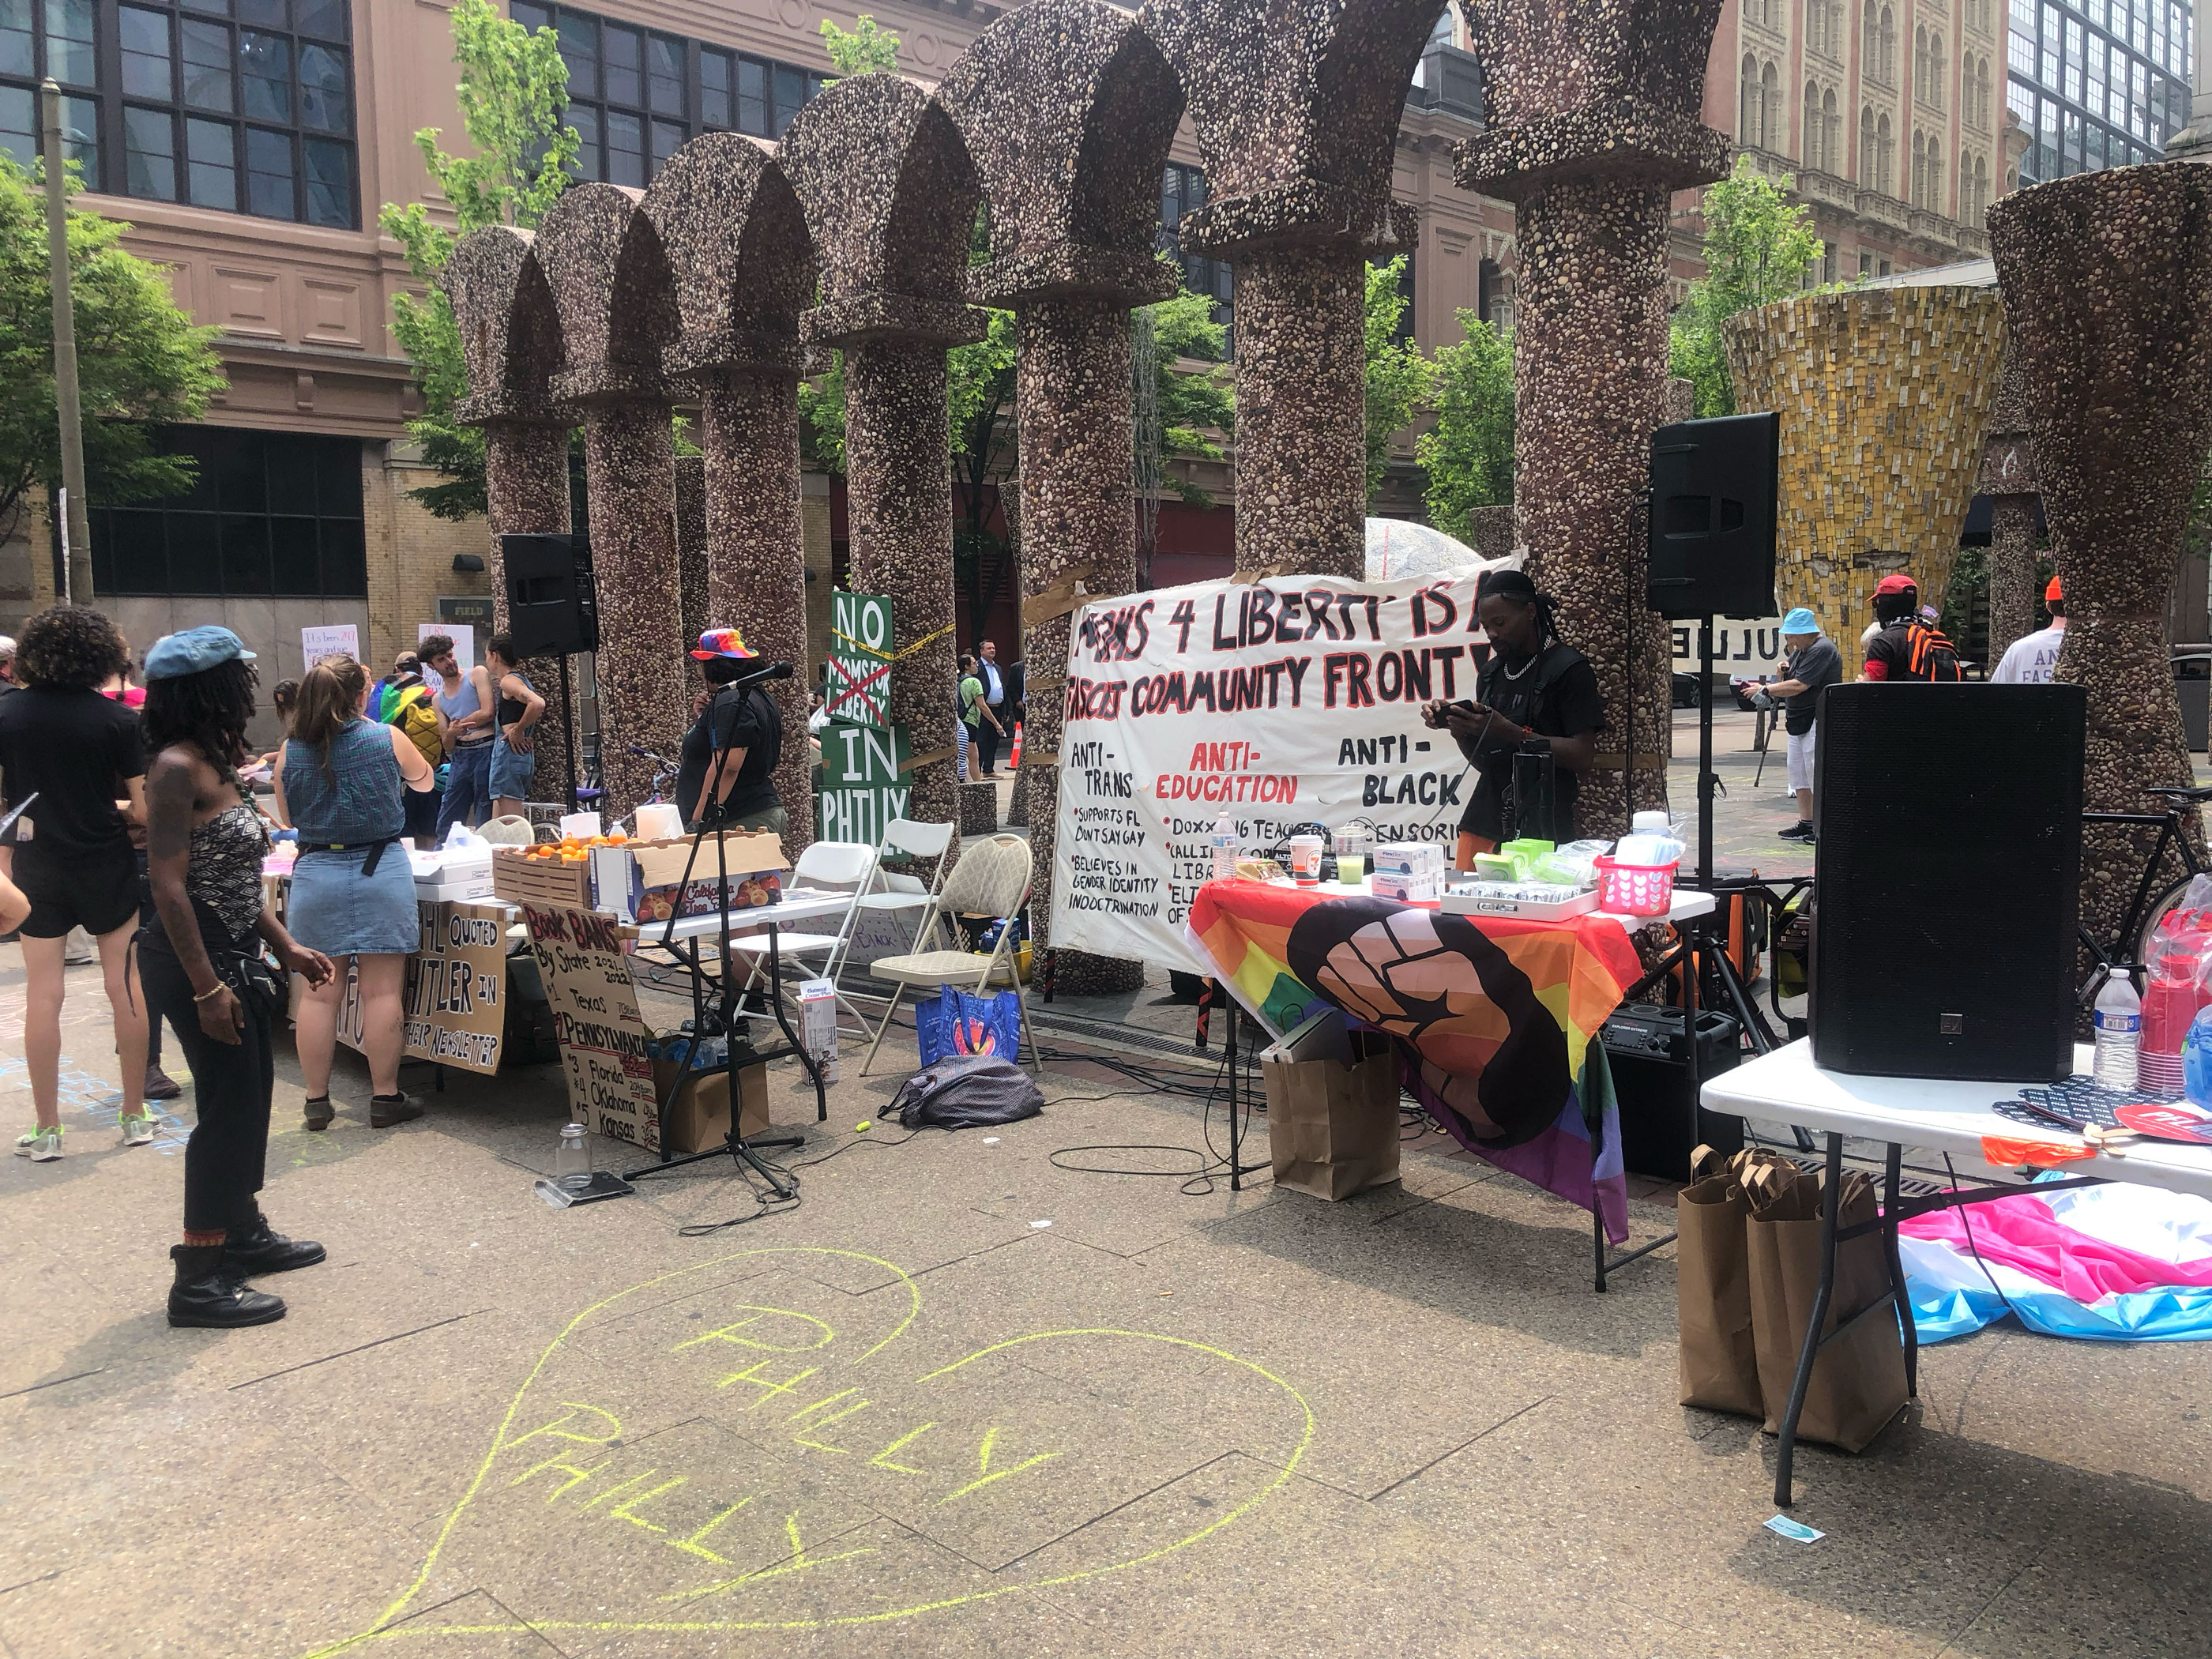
(1194, 402)
(512, 89)
(140, 362)
(1400, 381)
(1757, 249)
(1468, 455)
(866, 49)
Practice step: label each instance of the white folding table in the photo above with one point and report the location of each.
(1941, 1115)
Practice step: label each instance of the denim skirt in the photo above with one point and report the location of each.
(336, 910)
(511, 773)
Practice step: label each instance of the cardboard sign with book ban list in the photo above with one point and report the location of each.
(603, 1035)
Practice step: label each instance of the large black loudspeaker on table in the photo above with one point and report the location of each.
(1713, 487)
(552, 603)
(1950, 874)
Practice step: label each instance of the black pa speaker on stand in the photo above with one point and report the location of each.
(1711, 534)
(1950, 872)
(552, 603)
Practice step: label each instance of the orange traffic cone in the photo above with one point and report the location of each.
(1016, 762)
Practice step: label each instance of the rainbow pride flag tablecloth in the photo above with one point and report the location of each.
(1495, 1019)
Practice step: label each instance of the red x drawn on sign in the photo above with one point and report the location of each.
(856, 691)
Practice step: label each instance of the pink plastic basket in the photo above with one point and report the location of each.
(1635, 890)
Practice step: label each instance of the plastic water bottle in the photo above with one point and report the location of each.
(2118, 1021)
(2197, 1060)
(1224, 848)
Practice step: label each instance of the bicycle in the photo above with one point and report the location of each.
(2131, 944)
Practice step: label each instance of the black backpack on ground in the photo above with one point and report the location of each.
(965, 1091)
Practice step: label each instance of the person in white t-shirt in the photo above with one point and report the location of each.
(2029, 659)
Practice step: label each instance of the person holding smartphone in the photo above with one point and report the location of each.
(1534, 688)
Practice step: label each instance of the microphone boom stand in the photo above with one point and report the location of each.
(742, 1150)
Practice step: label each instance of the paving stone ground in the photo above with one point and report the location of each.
(965, 1399)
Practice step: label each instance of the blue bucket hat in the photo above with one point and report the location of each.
(193, 651)
(1801, 620)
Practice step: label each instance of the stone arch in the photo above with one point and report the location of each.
(510, 332)
(616, 301)
(740, 270)
(610, 286)
(889, 195)
(887, 190)
(1299, 127)
(740, 261)
(1068, 110)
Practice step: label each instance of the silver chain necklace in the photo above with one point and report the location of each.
(1516, 673)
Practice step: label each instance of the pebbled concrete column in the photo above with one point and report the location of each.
(629, 485)
(756, 575)
(1302, 409)
(2106, 280)
(527, 494)
(1078, 521)
(898, 501)
(1592, 112)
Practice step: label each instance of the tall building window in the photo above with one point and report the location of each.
(1867, 148)
(1772, 118)
(1918, 192)
(246, 107)
(1885, 158)
(636, 96)
(272, 514)
(1810, 154)
(1889, 76)
(1870, 41)
(1939, 91)
(1182, 190)
(1748, 106)
(1831, 133)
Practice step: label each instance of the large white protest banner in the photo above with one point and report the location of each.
(1290, 700)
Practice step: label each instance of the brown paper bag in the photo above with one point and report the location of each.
(1333, 1128)
(1857, 1384)
(1719, 1359)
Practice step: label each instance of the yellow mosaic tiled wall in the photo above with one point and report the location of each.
(1883, 394)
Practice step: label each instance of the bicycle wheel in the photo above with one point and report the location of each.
(2165, 902)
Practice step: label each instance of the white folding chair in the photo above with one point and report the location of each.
(908, 838)
(991, 879)
(847, 864)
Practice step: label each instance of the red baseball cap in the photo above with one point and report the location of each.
(2051, 595)
(1897, 582)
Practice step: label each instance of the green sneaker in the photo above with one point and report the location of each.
(40, 1145)
(137, 1131)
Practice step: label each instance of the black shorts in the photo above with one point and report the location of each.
(421, 809)
(96, 891)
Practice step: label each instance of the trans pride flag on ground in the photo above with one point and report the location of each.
(1494, 1021)
(2116, 1263)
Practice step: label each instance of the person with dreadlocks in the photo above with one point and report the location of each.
(80, 754)
(205, 969)
(1535, 691)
